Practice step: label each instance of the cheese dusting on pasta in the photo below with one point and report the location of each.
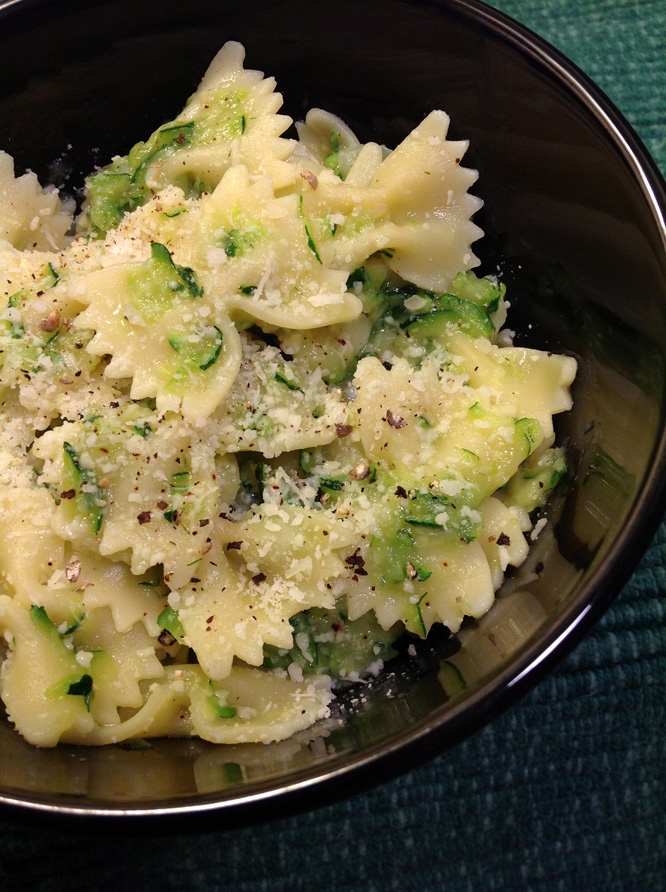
(258, 421)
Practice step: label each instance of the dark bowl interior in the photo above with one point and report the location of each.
(572, 221)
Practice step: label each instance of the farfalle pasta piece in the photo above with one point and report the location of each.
(459, 584)
(428, 423)
(42, 358)
(260, 259)
(322, 137)
(154, 321)
(30, 217)
(117, 662)
(235, 120)
(39, 673)
(413, 206)
(29, 548)
(231, 119)
(502, 538)
(58, 691)
(251, 706)
(447, 579)
(533, 381)
(277, 405)
(136, 486)
(426, 188)
(82, 581)
(260, 573)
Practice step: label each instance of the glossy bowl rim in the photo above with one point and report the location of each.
(445, 726)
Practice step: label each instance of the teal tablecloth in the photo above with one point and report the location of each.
(567, 791)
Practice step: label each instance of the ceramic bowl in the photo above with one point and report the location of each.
(573, 216)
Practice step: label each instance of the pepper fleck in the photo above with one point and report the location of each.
(394, 420)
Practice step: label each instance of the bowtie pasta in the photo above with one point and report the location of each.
(258, 422)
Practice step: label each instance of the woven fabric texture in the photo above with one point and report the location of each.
(566, 791)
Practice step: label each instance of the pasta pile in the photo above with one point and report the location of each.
(258, 420)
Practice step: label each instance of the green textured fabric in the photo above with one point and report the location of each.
(566, 791)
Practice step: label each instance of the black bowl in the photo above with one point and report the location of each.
(574, 221)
